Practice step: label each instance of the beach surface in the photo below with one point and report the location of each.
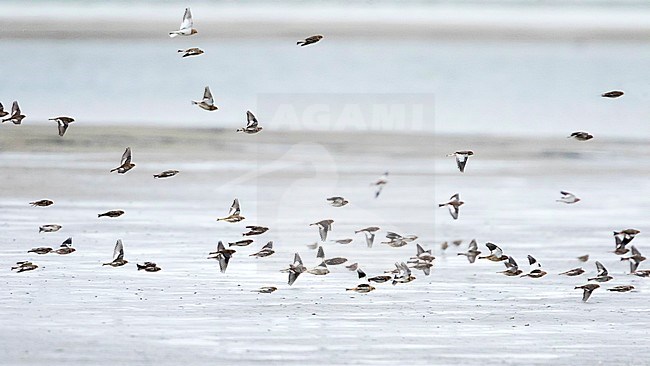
(73, 310)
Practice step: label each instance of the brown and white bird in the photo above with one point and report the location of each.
(309, 40)
(252, 125)
(403, 274)
(255, 230)
(223, 255)
(380, 183)
(234, 213)
(568, 198)
(512, 269)
(241, 243)
(295, 269)
(461, 158)
(369, 233)
(114, 213)
(621, 288)
(40, 250)
(573, 272)
(423, 255)
(603, 275)
(166, 174)
(587, 290)
(331, 261)
(65, 248)
(186, 28)
(118, 255)
(496, 254)
(581, 136)
(583, 258)
(189, 52)
(42, 203)
(16, 116)
(635, 259)
(266, 290)
(362, 288)
(207, 102)
(266, 251)
(337, 201)
(612, 94)
(319, 270)
(125, 163)
(626, 235)
(324, 227)
(536, 268)
(472, 251)
(148, 267)
(63, 123)
(453, 205)
(24, 266)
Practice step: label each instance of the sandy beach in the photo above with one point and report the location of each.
(72, 310)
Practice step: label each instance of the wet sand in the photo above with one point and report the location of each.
(72, 310)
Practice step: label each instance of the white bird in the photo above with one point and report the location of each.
(461, 158)
(380, 183)
(568, 198)
(187, 25)
(207, 102)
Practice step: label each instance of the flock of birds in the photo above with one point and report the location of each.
(402, 273)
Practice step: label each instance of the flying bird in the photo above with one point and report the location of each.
(587, 290)
(453, 205)
(148, 267)
(166, 174)
(537, 271)
(240, 243)
(512, 269)
(403, 274)
(621, 288)
(118, 255)
(324, 227)
(207, 102)
(581, 136)
(295, 269)
(125, 163)
(496, 254)
(626, 235)
(583, 258)
(251, 126)
(266, 251)
(568, 198)
(369, 233)
(603, 275)
(612, 94)
(423, 255)
(189, 52)
(363, 288)
(24, 266)
(41, 203)
(461, 158)
(255, 230)
(114, 213)
(635, 259)
(63, 123)
(40, 250)
(2, 111)
(380, 183)
(337, 201)
(186, 28)
(16, 116)
(309, 40)
(223, 255)
(65, 247)
(266, 290)
(234, 213)
(472, 251)
(573, 272)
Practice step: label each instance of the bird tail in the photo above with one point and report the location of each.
(181, 51)
(173, 34)
(300, 43)
(140, 266)
(442, 204)
(40, 230)
(195, 102)
(100, 215)
(349, 289)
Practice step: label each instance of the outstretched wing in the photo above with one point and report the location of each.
(419, 249)
(321, 253)
(268, 245)
(118, 252)
(531, 260)
(15, 109)
(293, 276)
(461, 161)
(602, 271)
(235, 209)
(252, 121)
(494, 249)
(473, 246)
(585, 294)
(635, 251)
(187, 23)
(62, 128)
(361, 273)
(370, 238)
(453, 211)
(126, 157)
(223, 262)
(511, 264)
(207, 96)
(297, 259)
(322, 230)
(455, 197)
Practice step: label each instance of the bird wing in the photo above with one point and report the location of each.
(453, 211)
(361, 273)
(118, 252)
(207, 96)
(461, 160)
(379, 188)
(2, 108)
(391, 235)
(321, 253)
(531, 260)
(473, 246)
(223, 262)
(187, 22)
(634, 265)
(62, 128)
(602, 271)
(635, 251)
(297, 259)
(370, 238)
(293, 276)
(67, 242)
(268, 245)
(567, 195)
(455, 197)
(585, 294)
(126, 156)
(494, 249)
(511, 264)
(220, 247)
(252, 121)
(235, 209)
(322, 230)
(15, 109)
(419, 249)
(407, 270)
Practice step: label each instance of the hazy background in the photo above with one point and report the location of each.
(497, 67)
